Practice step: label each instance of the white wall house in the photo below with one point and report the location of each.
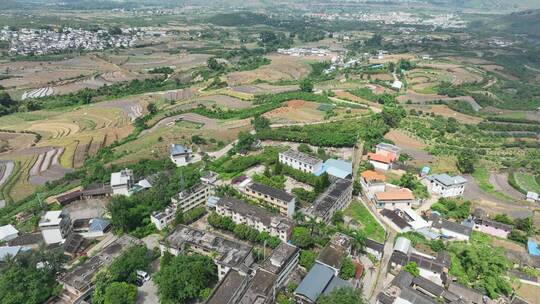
(445, 185)
(255, 217)
(372, 182)
(55, 226)
(379, 161)
(183, 201)
(122, 182)
(8, 233)
(180, 155)
(300, 161)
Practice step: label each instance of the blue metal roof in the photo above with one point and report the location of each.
(99, 224)
(336, 282)
(11, 250)
(313, 285)
(336, 167)
(532, 247)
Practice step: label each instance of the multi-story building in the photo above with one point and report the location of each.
(445, 185)
(336, 197)
(226, 254)
(55, 226)
(283, 201)
(260, 286)
(388, 150)
(300, 161)
(372, 182)
(184, 202)
(122, 182)
(255, 217)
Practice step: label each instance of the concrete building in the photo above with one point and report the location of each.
(372, 182)
(8, 233)
(184, 201)
(390, 151)
(77, 281)
(122, 182)
(445, 185)
(11, 251)
(337, 197)
(332, 254)
(91, 228)
(380, 162)
(260, 286)
(300, 161)
(285, 202)
(374, 248)
(431, 268)
(55, 226)
(532, 197)
(255, 217)
(451, 230)
(320, 280)
(180, 155)
(393, 198)
(226, 254)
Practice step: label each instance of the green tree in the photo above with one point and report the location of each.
(120, 293)
(306, 85)
(343, 295)
(392, 115)
(307, 258)
(245, 142)
(412, 268)
(301, 237)
(184, 278)
(525, 224)
(466, 160)
(152, 108)
(337, 218)
(348, 269)
(123, 268)
(214, 65)
(260, 123)
(304, 148)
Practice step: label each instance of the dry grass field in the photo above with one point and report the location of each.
(296, 111)
(281, 68)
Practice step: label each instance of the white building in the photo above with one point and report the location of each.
(532, 197)
(396, 85)
(394, 197)
(285, 202)
(380, 162)
(255, 217)
(122, 182)
(445, 185)
(184, 202)
(180, 155)
(8, 233)
(372, 182)
(300, 161)
(55, 226)
(451, 230)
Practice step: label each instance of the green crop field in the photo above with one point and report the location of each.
(369, 225)
(527, 182)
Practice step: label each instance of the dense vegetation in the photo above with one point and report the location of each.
(185, 278)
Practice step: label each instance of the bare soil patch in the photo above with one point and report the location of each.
(226, 101)
(264, 88)
(446, 112)
(296, 111)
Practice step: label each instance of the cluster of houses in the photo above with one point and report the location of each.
(44, 41)
(304, 52)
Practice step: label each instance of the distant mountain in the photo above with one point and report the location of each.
(525, 22)
(491, 5)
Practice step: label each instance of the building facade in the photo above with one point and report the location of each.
(445, 185)
(255, 217)
(122, 182)
(300, 161)
(55, 226)
(394, 198)
(184, 202)
(283, 201)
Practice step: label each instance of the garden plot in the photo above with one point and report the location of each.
(131, 106)
(411, 146)
(499, 70)
(296, 111)
(92, 82)
(142, 62)
(16, 141)
(81, 152)
(6, 169)
(38, 93)
(527, 182)
(459, 74)
(281, 68)
(29, 74)
(415, 97)
(264, 88)
(174, 95)
(225, 101)
(95, 145)
(54, 129)
(446, 112)
(47, 167)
